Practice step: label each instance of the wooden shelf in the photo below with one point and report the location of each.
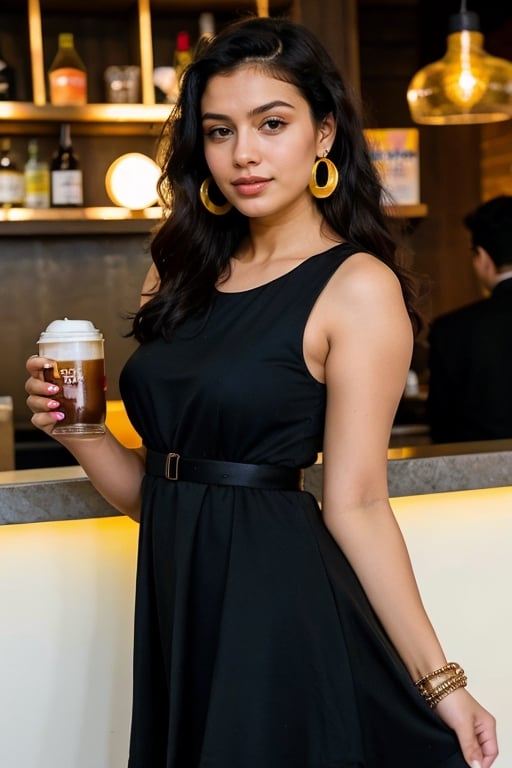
(419, 211)
(27, 222)
(109, 220)
(22, 111)
(91, 119)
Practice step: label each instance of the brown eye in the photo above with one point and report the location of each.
(218, 132)
(274, 123)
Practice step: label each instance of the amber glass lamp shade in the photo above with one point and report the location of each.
(467, 85)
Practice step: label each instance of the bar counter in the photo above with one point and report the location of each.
(67, 585)
(65, 493)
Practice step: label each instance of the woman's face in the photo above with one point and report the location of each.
(260, 141)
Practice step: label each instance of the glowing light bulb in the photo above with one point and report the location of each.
(467, 85)
(466, 75)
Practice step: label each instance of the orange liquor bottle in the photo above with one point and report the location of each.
(67, 75)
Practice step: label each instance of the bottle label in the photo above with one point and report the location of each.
(67, 188)
(68, 87)
(37, 188)
(11, 188)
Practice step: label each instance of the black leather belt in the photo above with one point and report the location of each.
(172, 466)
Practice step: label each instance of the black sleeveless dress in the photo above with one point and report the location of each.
(255, 646)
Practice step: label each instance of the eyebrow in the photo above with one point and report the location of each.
(256, 111)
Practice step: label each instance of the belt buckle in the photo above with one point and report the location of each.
(171, 470)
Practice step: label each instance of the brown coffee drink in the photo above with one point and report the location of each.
(76, 348)
(82, 390)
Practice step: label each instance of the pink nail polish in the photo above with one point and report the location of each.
(57, 415)
(53, 404)
(52, 389)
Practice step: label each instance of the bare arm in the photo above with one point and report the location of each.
(369, 341)
(115, 471)
(366, 369)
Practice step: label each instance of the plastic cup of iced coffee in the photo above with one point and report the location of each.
(76, 348)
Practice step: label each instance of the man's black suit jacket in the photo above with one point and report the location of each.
(470, 362)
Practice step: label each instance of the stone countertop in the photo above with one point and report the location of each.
(42, 495)
(65, 493)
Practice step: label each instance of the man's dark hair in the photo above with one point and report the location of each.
(491, 228)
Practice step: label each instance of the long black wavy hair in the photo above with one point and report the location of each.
(192, 248)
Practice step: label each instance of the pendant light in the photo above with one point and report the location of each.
(467, 85)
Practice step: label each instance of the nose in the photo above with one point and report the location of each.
(246, 150)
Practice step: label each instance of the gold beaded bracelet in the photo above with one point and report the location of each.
(438, 684)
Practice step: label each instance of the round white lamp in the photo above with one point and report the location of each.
(131, 181)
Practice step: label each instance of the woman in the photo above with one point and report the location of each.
(275, 323)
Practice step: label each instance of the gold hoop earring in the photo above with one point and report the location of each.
(217, 210)
(332, 179)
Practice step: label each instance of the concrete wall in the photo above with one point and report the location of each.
(94, 278)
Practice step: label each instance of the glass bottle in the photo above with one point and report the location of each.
(11, 178)
(7, 80)
(206, 33)
(66, 183)
(67, 75)
(37, 179)
(182, 53)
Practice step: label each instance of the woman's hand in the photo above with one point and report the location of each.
(43, 397)
(115, 470)
(474, 726)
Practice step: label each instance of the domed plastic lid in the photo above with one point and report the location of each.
(70, 330)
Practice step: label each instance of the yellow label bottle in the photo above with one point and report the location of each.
(37, 179)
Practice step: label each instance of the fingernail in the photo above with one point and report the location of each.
(52, 389)
(58, 416)
(476, 764)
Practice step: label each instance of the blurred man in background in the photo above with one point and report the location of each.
(470, 348)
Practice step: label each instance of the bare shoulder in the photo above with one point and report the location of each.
(150, 285)
(363, 276)
(366, 290)
(362, 307)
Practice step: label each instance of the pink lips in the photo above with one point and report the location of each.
(250, 185)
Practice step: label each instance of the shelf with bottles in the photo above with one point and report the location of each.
(141, 33)
(172, 6)
(96, 214)
(94, 156)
